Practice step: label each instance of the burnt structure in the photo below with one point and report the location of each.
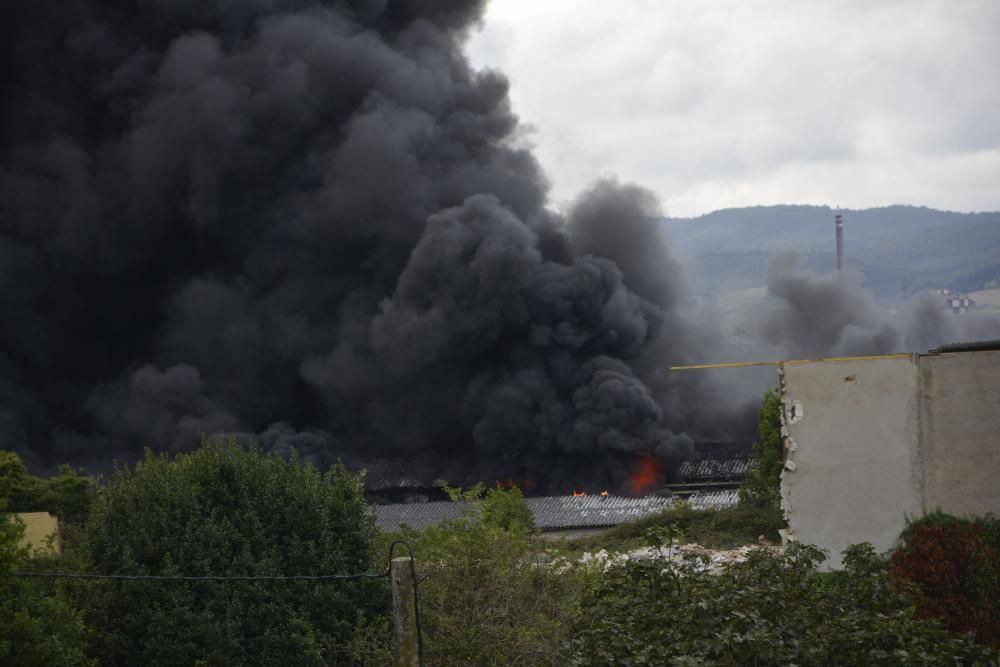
(709, 467)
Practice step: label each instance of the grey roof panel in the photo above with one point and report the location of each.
(592, 511)
(552, 512)
(416, 515)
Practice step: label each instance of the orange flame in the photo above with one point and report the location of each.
(577, 494)
(646, 475)
(604, 493)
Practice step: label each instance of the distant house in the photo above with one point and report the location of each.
(955, 302)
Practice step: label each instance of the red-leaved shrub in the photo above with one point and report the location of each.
(950, 573)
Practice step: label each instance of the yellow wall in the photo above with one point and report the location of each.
(38, 526)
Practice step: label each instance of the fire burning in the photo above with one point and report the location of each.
(646, 476)
(579, 494)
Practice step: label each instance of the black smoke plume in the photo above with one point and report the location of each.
(310, 222)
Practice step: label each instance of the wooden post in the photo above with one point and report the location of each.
(404, 612)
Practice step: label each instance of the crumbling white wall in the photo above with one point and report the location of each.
(869, 442)
(851, 432)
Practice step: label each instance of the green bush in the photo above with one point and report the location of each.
(38, 625)
(714, 528)
(762, 486)
(487, 595)
(67, 495)
(222, 510)
(773, 609)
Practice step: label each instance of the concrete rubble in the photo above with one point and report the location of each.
(713, 561)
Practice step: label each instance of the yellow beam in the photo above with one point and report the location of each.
(742, 364)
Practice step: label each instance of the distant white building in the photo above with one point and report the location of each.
(955, 302)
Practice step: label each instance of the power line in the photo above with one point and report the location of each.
(789, 362)
(266, 578)
(220, 577)
(155, 577)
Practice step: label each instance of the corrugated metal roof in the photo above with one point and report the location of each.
(416, 515)
(556, 512)
(714, 468)
(592, 511)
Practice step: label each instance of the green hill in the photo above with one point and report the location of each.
(900, 249)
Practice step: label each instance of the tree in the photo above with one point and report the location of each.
(762, 486)
(487, 596)
(223, 510)
(772, 609)
(38, 626)
(67, 495)
(950, 567)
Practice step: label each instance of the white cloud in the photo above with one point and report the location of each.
(716, 104)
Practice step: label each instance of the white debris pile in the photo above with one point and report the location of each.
(710, 560)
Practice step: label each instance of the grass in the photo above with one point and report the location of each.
(715, 529)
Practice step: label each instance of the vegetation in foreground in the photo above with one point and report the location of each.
(221, 510)
(723, 528)
(773, 609)
(493, 591)
(494, 597)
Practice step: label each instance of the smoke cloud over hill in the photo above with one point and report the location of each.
(312, 222)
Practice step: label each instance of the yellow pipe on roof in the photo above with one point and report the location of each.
(741, 364)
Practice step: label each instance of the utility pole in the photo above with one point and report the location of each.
(839, 221)
(404, 612)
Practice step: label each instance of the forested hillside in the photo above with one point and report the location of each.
(900, 249)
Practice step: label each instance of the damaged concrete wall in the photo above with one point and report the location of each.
(870, 441)
(850, 445)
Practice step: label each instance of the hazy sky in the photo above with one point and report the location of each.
(718, 104)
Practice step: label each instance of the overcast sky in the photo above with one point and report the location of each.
(719, 104)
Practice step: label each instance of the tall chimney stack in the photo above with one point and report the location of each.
(840, 242)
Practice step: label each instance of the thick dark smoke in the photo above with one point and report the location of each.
(833, 315)
(310, 222)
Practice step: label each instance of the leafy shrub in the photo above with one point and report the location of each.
(38, 625)
(761, 487)
(67, 495)
(715, 528)
(224, 511)
(487, 595)
(772, 609)
(950, 567)
(507, 510)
